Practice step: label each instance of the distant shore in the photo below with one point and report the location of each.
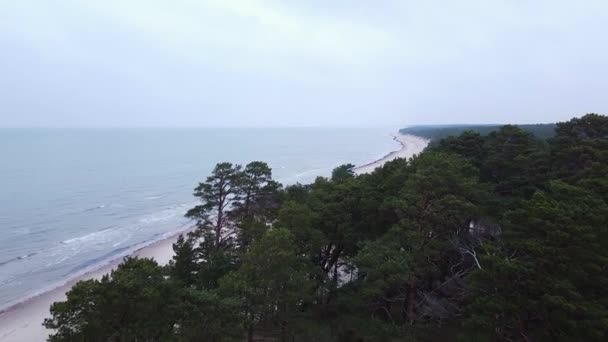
(22, 322)
(410, 145)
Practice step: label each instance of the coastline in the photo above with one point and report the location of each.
(22, 321)
(410, 145)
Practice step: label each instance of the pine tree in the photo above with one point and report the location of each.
(547, 279)
(183, 265)
(217, 195)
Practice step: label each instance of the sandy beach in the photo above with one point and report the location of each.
(23, 322)
(410, 145)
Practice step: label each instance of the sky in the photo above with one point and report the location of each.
(153, 63)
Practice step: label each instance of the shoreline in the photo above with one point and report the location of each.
(410, 146)
(22, 320)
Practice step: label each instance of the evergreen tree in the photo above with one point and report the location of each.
(579, 152)
(217, 195)
(404, 270)
(548, 278)
(205, 316)
(134, 303)
(183, 265)
(216, 234)
(271, 283)
(515, 162)
(258, 201)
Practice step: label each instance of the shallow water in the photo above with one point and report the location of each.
(72, 199)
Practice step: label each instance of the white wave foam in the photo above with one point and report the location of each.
(101, 206)
(89, 269)
(53, 261)
(92, 236)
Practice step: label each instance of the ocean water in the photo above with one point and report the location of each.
(72, 200)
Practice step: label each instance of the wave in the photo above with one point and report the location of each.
(95, 264)
(61, 258)
(305, 176)
(8, 261)
(101, 206)
(87, 237)
(91, 262)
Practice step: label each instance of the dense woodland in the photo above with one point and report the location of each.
(496, 237)
(437, 132)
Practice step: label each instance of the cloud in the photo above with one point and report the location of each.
(248, 34)
(210, 62)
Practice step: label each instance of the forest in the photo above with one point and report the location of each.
(482, 237)
(437, 132)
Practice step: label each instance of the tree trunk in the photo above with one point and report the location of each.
(336, 275)
(410, 303)
(284, 331)
(250, 334)
(219, 223)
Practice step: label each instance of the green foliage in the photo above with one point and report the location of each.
(258, 203)
(511, 163)
(387, 263)
(134, 303)
(469, 144)
(183, 266)
(298, 219)
(439, 132)
(343, 173)
(217, 194)
(580, 153)
(271, 283)
(547, 280)
(401, 271)
(206, 316)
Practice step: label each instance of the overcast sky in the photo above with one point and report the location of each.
(300, 63)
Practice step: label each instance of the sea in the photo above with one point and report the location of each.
(72, 200)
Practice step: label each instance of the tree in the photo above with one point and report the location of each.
(405, 270)
(385, 266)
(217, 194)
(271, 283)
(547, 279)
(469, 145)
(335, 203)
(298, 218)
(134, 303)
(216, 233)
(343, 173)
(515, 163)
(258, 203)
(579, 152)
(205, 316)
(183, 265)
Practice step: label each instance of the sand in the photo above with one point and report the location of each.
(410, 145)
(23, 322)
